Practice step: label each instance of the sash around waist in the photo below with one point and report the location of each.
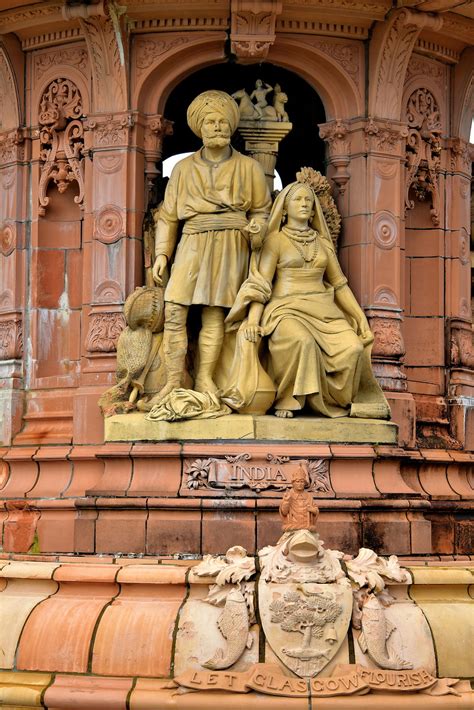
(215, 221)
(299, 280)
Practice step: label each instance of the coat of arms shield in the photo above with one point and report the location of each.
(305, 623)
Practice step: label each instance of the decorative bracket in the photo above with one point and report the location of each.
(252, 30)
(423, 150)
(106, 35)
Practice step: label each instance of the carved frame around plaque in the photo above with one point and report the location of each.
(251, 475)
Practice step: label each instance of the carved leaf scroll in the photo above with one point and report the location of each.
(11, 339)
(104, 331)
(369, 570)
(61, 140)
(233, 568)
(423, 151)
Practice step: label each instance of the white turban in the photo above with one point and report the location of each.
(212, 102)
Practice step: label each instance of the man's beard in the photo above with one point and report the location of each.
(216, 141)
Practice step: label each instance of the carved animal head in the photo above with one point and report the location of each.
(303, 547)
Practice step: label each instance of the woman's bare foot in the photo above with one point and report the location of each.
(284, 413)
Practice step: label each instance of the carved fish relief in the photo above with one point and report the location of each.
(376, 631)
(233, 624)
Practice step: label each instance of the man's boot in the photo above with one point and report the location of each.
(175, 347)
(210, 341)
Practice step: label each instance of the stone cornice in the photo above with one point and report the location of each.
(344, 18)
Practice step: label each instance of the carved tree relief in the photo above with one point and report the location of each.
(61, 140)
(423, 150)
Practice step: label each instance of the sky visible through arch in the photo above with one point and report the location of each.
(170, 162)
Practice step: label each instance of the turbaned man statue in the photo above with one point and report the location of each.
(222, 200)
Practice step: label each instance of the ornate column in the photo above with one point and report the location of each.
(14, 154)
(366, 162)
(114, 208)
(123, 148)
(155, 129)
(112, 258)
(460, 350)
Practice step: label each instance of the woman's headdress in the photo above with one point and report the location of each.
(306, 177)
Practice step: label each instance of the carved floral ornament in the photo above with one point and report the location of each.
(7, 238)
(104, 331)
(11, 339)
(384, 136)
(461, 345)
(388, 341)
(11, 147)
(61, 140)
(423, 151)
(111, 130)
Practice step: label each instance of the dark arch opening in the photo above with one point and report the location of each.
(302, 146)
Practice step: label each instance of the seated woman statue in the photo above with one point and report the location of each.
(318, 336)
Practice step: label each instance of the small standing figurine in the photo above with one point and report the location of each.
(297, 507)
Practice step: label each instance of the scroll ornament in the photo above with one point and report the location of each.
(61, 140)
(423, 151)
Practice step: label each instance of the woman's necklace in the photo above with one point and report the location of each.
(302, 241)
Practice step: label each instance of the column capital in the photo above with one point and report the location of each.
(109, 130)
(12, 146)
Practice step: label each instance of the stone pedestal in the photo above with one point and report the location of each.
(135, 427)
(262, 139)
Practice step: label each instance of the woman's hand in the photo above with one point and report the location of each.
(365, 334)
(252, 332)
(159, 267)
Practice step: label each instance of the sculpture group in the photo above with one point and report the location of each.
(279, 326)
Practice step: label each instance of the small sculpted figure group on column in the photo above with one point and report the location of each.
(277, 315)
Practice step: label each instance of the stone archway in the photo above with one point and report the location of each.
(302, 146)
(162, 63)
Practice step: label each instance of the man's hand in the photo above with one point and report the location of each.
(252, 227)
(254, 232)
(159, 267)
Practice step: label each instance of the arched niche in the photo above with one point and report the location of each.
(302, 146)
(10, 113)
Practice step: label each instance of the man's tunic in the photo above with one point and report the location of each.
(215, 201)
